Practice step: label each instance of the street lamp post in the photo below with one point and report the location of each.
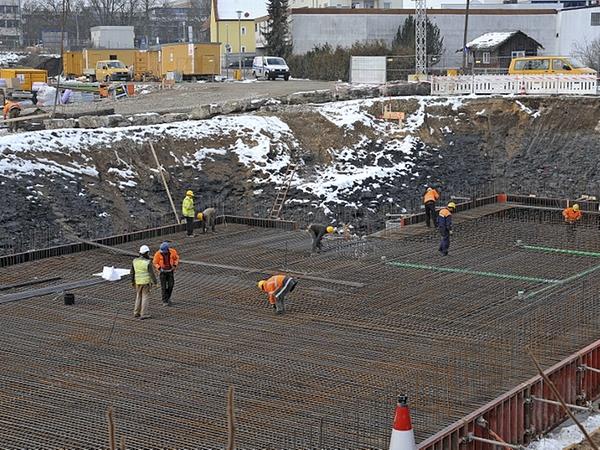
(239, 14)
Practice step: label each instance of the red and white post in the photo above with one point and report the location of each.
(403, 437)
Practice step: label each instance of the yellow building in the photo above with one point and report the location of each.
(236, 35)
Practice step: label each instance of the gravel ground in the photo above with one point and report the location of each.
(186, 96)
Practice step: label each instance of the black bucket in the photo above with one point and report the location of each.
(69, 298)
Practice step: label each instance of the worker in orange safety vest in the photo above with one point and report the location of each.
(572, 216)
(12, 110)
(431, 196)
(278, 286)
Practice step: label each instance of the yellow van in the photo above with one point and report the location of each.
(547, 65)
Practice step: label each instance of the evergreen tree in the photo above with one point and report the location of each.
(405, 37)
(278, 32)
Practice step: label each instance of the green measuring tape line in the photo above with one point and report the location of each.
(504, 276)
(560, 250)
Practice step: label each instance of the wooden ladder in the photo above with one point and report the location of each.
(282, 193)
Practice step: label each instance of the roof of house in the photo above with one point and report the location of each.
(251, 9)
(490, 41)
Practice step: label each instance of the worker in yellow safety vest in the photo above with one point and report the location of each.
(143, 278)
(189, 212)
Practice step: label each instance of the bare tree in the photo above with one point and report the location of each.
(107, 12)
(588, 53)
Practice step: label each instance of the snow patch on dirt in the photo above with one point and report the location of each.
(566, 436)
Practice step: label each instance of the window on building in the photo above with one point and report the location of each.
(485, 57)
(387, 5)
(243, 49)
(517, 53)
(595, 19)
(255, 27)
(243, 31)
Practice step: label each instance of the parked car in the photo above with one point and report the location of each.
(270, 67)
(541, 65)
(111, 70)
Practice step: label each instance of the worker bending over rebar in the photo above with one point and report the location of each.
(572, 217)
(208, 217)
(278, 286)
(444, 223)
(317, 231)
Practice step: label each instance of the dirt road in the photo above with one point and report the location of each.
(186, 96)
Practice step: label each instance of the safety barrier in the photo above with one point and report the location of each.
(59, 250)
(526, 411)
(514, 84)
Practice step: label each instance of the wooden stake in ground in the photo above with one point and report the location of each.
(230, 420)
(560, 399)
(112, 443)
(162, 176)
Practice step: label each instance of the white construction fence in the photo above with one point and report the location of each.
(514, 84)
(368, 69)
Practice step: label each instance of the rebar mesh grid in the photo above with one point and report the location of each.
(450, 332)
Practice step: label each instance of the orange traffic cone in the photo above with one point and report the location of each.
(403, 437)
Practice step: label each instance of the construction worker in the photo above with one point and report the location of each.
(209, 219)
(431, 196)
(189, 212)
(166, 261)
(142, 278)
(572, 216)
(317, 231)
(444, 223)
(278, 286)
(12, 110)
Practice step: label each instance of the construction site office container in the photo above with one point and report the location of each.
(73, 64)
(190, 59)
(25, 76)
(76, 64)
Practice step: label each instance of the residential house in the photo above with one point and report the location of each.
(495, 50)
(233, 24)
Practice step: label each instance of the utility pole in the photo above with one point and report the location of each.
(239, 14)
(421, 38)
(464, 64)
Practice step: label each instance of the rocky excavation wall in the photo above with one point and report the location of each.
(353, 166)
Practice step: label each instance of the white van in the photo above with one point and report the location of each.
(270, 67)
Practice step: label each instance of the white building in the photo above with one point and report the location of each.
(382, 4)
(112, 37)
(558, 30)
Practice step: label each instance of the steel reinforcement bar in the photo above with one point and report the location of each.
(518, 416)
(76, 247)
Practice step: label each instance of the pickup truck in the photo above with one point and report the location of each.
(109, 70)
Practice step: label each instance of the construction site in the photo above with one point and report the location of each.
(370, 318)
(378, 313)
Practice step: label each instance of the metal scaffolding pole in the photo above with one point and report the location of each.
(421, 37)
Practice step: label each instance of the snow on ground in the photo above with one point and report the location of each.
(7, 58)
(566, 436)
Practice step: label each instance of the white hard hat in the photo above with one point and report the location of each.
(144, 249)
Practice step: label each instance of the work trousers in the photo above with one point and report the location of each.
(430, 215)
(210, 223)
(189, 226)
(142, 299)
(316, 240)
(289, 284)
(13, 114)
(167, 283)
(445, 242)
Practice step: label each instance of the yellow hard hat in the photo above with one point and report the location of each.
(189, 193)
(576, 207)
(330, 229)
(200, 216)
(452, 205)
(260, 284)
